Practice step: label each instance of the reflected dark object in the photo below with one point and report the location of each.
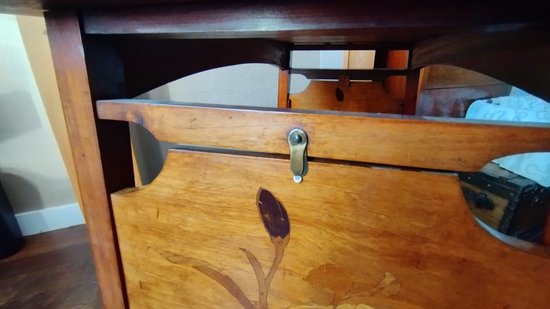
(11, 239)
(484, 202)
(507, 202)
(339, 95)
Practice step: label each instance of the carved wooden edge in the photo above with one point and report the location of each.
(523, 48)
(418, 142)
(160, 61)
(70, 67)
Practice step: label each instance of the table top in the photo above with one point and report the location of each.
(435, 32)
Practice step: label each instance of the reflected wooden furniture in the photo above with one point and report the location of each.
(449, 91)
(376, 221)
(367, 97)
(390, 86)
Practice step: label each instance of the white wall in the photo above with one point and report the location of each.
(31, 168)
(246, 84)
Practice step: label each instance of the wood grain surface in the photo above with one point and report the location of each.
(357, 97)
(76, 98)
(412, 142)
(204, 233)
(53, 270)
(299, 21)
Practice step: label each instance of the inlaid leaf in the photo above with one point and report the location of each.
(273, 214)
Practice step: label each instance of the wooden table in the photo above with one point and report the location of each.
(390, 237)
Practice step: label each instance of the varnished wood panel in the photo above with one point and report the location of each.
(76, 99)
(357, 97)
(299, 21)
(475, 13)
(414, 142)
(198, 238)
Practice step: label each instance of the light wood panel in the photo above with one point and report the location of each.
(413, 142)
(357, 97)
(196, 238)
(72, 80)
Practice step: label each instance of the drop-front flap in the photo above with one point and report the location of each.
(233, 231)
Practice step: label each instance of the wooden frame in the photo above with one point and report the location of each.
(431, 144)
(111, 53)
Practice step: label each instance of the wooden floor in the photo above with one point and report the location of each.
(53, 270)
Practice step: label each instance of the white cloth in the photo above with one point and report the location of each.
(525, 108)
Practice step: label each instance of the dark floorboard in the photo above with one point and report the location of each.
(53, 270)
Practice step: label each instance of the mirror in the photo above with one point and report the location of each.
(511, 195)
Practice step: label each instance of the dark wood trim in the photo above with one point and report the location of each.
(150, 63)
(515, 55)
(373, 74)
(76, 98)
(106, 80)
(381, 58)
(411, 93)
(299, 21)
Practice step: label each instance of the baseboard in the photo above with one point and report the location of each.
(49, 219)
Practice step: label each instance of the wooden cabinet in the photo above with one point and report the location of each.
(378, 220)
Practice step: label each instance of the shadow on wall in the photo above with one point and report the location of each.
(17, 115)
(24, 195)
(20, 192)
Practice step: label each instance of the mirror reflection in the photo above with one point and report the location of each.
(511, 195)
